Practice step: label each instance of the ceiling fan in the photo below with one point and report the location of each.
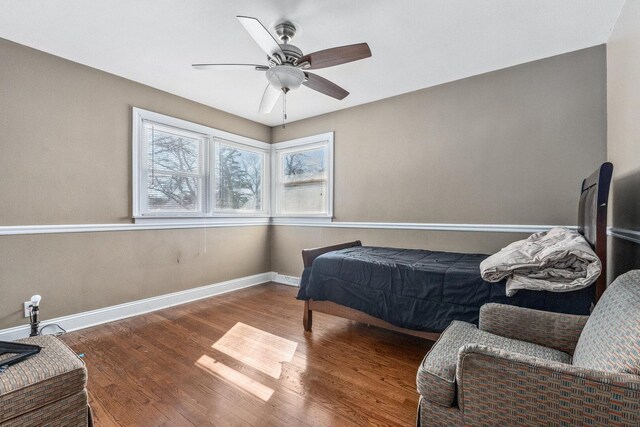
(287, 66)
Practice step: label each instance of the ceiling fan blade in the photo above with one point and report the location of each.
(269, 99)
(261, 36)
(336, 56)
(323, 85)
(230, 67)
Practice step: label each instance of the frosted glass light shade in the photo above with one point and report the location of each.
(285, 76)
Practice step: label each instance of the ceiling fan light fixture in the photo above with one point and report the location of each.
(287, 66)
(285, 77)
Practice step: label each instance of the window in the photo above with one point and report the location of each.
(304, 177)
(182, 169)
(175, 178)
(189, 172)
(239, 178)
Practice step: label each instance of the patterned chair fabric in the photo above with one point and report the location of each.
(611, 338)
(68, 412)
(54, 378)
(502, 388)
(431, 414)
(555, 330)
(502, 385)
(436, 377)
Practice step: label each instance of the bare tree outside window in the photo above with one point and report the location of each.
(304, 165)
(253, 168)
(304, 181)
(174, 181)
(239, 179)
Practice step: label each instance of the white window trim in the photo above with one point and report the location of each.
(138, 115)
(310, 141)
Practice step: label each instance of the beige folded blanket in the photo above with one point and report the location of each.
(558, 260)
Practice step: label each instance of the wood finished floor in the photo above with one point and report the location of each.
(218, 362)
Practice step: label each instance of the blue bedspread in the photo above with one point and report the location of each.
(421, 289)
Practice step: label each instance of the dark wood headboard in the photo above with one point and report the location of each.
(309, 255)
(592, 217)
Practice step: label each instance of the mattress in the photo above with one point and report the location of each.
(421, 289)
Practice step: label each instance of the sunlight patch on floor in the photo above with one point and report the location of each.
(235, 378)
(256, 348)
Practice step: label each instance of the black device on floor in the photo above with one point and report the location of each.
(21, 351)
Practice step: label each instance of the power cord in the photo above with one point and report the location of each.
(60, 331)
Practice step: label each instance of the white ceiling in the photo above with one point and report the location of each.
(415, 43)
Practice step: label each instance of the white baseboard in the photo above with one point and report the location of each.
(286, 280)
(134, 308)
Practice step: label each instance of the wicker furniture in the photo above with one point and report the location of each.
(47, 389)
(528, 368)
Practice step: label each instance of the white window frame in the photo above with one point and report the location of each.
(210, 135)
(309, 142)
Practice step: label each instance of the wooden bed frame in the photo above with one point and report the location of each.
(592, 224)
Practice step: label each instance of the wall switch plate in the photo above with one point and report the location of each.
(26, 308)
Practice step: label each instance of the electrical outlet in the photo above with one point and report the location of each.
(26, 308)
(292, 280)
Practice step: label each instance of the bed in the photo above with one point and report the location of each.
(419, 292)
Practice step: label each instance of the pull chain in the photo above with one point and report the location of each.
(284, 106)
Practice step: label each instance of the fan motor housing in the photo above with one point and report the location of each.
(292, 53)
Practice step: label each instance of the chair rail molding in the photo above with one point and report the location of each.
(488, 228)
(158, 224)
(625, 234)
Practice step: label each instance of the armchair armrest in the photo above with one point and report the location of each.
(513, 389)
(554, 330)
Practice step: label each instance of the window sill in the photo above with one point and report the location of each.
(297, 220)
(233, 220)
(204, 221)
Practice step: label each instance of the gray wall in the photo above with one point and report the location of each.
(507, 147)
(65, 158)
(623, 112)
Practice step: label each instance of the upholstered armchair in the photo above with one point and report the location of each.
(529, 367)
